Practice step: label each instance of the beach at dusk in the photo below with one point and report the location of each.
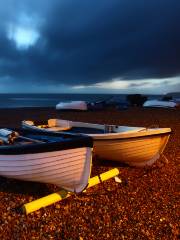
(89, 120)
(144, 205)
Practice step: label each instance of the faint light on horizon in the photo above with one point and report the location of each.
(157, 85)
(114, 84)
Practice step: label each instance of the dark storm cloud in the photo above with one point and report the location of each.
(85, 42)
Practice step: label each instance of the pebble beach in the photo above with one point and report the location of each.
(144, 205)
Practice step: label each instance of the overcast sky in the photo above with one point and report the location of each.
(82, 46)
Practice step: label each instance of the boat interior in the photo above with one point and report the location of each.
(81, 127)
(29, 138)
(29, 141)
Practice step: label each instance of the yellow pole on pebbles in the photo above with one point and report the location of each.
(55, 197)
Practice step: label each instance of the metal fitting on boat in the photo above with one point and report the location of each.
(108, 128)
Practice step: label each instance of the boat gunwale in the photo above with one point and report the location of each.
(127, 137)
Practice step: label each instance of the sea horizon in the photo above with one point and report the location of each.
(21, 100)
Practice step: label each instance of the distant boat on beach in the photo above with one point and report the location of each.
(81, 105)
(60, 159)
(72, 105)
(160, 103)
(136, 146)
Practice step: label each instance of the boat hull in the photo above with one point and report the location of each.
(68, 169)
(133, 151)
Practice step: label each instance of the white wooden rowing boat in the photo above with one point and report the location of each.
(136, 146)
(60, 159)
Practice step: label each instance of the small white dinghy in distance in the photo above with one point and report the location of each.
(161, 104)
(73, 105)
(60, 159)
(136, 146)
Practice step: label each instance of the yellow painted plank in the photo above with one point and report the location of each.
(55, 197)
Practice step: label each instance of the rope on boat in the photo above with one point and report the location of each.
(8, 136)
(165, 158)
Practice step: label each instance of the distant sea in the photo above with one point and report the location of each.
(50, 100)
